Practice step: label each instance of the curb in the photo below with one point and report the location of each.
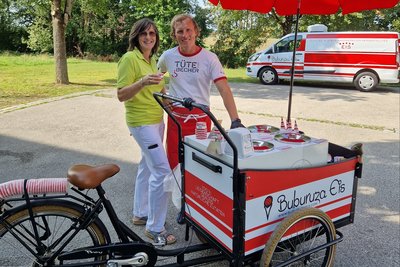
(51, 99)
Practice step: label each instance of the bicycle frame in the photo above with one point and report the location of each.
(129, 242)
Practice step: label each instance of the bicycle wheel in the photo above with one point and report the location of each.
(299, 233)
(55, 221)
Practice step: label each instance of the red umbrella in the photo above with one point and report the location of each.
(309, 7)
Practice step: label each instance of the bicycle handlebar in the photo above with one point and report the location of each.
(190, 104)
(187, 102)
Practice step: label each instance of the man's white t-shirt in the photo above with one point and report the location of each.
(191, 75)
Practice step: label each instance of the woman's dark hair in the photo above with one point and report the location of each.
(139, 27)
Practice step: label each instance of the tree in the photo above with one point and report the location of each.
(372, 20)
(239, 32)
(97, 31)
(60, 17)
(40, 36)
(162, 12)
(11, 32)
(39, 14)
(238, 35)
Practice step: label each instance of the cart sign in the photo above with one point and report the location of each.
(270, 196)
(288, 201)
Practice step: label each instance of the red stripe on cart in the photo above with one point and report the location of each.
(259, 242)
(334, 201)
(339, 212)
(263, 225)
(209, 217)
(209, 198)
(261, 183)
(211, 234)
(281, 219)
(304, 225)
(332, 214)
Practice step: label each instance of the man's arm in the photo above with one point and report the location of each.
(227, 96)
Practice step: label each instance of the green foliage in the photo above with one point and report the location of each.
(161, 12)
(11, 35)
(238, 33)
(101, 27)
(203, 19)
(93, 31)
(106, 31)
(40, 36)
(373, 20)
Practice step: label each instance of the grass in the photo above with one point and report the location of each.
(26, 78)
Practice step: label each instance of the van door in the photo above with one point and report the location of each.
(283, 54)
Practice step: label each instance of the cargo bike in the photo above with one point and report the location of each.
(268, 207)
(242, 213)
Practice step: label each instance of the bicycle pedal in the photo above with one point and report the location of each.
(140, 259)
(159, 241)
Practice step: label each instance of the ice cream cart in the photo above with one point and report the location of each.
(265, 192)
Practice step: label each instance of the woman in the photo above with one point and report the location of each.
(137, 81)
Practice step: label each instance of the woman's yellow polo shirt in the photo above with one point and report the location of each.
(141, 109)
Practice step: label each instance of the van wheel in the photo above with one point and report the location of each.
(268, 76)
(366, 81)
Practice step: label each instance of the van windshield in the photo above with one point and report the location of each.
(287, 44)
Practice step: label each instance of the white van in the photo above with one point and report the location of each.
(362, 58)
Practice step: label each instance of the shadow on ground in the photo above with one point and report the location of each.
(315, 91)
(377, 200)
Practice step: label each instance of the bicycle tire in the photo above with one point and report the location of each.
(278, 251)
(53, 218)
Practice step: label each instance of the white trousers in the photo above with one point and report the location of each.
(150, 198)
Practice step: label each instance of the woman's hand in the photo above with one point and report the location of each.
(151, 79)
(168, 104)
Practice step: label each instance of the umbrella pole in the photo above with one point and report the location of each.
(293, 61)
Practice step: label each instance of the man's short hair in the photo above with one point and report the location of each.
(180, 18)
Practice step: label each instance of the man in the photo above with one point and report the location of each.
(192, 70)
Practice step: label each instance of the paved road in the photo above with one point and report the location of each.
(44, 140)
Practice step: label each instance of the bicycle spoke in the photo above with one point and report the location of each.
(57, 229)
(296, 236)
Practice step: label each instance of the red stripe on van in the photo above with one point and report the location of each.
(357, 66)
(283, 67)
(260, 63)
(348, 58)
(352, 35)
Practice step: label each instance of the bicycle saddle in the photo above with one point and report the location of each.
(89, 177)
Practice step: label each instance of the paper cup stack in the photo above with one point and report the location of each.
(201, 130)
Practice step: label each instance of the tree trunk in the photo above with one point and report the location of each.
(60, 50)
